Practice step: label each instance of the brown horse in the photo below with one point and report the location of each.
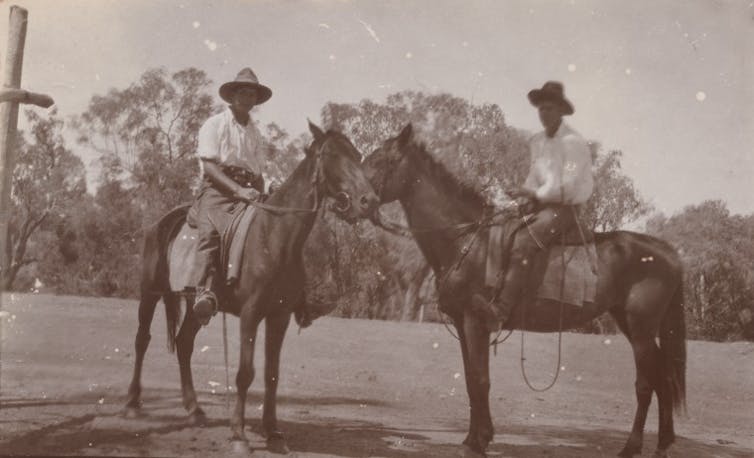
(639, 284)
(271, 281)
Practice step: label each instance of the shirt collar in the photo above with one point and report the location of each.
(232, 119)
(563, 129)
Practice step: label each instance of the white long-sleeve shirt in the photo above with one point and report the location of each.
(225, 141)
(561, 167)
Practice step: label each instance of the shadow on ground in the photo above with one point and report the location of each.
(80, 429)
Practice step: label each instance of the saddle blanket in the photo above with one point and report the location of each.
(182, 251)
(579, 284)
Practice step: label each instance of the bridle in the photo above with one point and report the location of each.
(342, 198)
(472, 228)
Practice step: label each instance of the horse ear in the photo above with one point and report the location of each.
(406, 135)
(316, 131)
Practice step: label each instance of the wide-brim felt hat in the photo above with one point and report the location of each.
(552, 91)
(245, 78)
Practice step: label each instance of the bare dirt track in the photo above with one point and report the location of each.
(348, 388)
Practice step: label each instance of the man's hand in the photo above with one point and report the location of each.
(526, 200)
(526, 206)
(247, 194)
(515, 193)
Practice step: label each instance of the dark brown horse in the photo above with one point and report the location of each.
(639, 284)
(271, 281)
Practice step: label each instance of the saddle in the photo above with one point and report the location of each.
(565, 271)
(182, 250)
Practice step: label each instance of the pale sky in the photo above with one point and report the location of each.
(667, 82)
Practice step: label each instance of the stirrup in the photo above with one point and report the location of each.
(494, 318)
(205, 307)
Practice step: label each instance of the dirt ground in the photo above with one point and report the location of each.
(348, 388)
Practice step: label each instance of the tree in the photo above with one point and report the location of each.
(146, 136)
(47, 178)
(615, 202)
(717, 250)
(478, 147)
(383, 279)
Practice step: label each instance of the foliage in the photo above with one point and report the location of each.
(47, 179)
(473, 141)
(615, 202)
(717, 250)
(145, 136)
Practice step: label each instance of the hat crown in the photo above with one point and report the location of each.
(553, 87)
(246, 75)
(551, 91)
(245, 78)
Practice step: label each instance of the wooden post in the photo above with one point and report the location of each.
(10, 97)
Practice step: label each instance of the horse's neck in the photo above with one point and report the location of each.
(296, 192)
(430, 204)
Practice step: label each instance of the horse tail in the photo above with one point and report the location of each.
(161, 234)
(673, 350)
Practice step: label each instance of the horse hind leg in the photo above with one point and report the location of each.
(147, 305)
(643, 324)
(646, 355)
(184, 350)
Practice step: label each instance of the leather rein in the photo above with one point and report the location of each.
(316, 178)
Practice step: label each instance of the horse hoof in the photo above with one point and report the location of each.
(240, 447)
(198, 418)
(661, 453)
(131, 412)
(469, 452)
(276, 444)
(629, 452)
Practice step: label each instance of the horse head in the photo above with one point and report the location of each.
(339, 176)
(388, 168)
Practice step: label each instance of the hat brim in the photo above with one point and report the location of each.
(263, 92)
(537, 96)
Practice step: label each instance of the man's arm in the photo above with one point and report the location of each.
(208, 152)
(224, 183)
(577, 170)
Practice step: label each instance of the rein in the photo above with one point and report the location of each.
(282, 210)
(560, 325)
(404, 231)
(400, 230)
(317, 202)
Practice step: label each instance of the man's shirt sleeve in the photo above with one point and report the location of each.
(577, 179)
(532, 182)
(209, 141)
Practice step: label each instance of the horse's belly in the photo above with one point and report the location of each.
(550, 316)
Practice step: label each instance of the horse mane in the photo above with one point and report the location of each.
(339, 135)
(418, 154)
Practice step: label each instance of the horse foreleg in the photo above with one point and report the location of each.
(470, 440)
(476, 360)
(275, 327)
(147, 306)
(185, 348)
(244, 376)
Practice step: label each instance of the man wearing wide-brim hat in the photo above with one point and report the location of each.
(559, 182)
(231, 151)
